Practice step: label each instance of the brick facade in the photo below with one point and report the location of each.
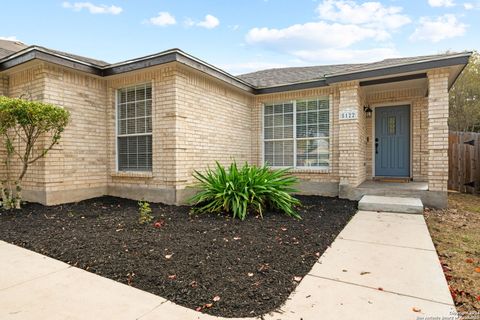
(438, 130)
(198, 119)
(352, 137)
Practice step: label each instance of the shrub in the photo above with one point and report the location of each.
(28, 129)
(240, 191)
(144, 212)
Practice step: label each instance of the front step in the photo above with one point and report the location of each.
(391, 204)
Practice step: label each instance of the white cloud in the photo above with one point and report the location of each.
(209, 22)
(9, 38)
(340, 36)
(471, 5)
(92, 8)
(373, 14)
(437, 29)
(333, 55)
(313, 35)
(163, 19)
(441, 3)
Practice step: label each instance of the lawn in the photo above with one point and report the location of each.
(210, 263)
(456, 234)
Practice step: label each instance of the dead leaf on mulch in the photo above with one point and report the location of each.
(168, 256)
(477, 269)
(469, 260)
(172, 277)
(216, 298)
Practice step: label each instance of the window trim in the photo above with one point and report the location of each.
(119, 172)
(295, 139)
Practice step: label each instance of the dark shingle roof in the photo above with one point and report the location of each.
(8, 47)
(96, 62)
(282, 76)
(261, 81)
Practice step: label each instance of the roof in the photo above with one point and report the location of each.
(96, 62)
(8, 47)
(266, 81)
(283, 76)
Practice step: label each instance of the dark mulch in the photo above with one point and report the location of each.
(250, 265)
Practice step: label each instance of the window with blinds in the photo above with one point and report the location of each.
(134, 128)
(297, 133)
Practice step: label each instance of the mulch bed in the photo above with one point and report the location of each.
(252, 266)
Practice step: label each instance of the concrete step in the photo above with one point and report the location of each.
(391, 204)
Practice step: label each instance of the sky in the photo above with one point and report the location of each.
(242, 36)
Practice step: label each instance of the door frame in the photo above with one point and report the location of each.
(392, 104)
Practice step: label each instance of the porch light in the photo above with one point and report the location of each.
(368, 111)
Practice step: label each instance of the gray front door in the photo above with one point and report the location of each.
(392, 141)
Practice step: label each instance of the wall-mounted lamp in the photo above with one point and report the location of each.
(368, 111)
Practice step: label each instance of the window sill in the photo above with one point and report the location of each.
(307, 170)
(132, 174)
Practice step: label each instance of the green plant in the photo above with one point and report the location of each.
(145, 212)
(29, 130)
(240, 191)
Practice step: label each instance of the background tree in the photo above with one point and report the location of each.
(29, 130)
(465, 98)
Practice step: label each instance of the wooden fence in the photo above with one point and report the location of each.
(463, 159)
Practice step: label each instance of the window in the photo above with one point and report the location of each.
(296, 133)
(134, 128)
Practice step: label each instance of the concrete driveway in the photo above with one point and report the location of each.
(381, 266)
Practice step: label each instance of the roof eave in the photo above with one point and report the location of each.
(399, 69)
(292, 87)
(174, 55)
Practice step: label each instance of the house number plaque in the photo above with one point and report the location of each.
(348, 115)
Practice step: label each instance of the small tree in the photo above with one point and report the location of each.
(465, 98)
(23, 126)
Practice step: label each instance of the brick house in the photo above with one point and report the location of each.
(140, 127)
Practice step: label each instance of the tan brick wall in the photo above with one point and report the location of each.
(163, 173)
(415, 97)
(3, 85)
(29, 82)
(198, 119)
(79, 161)
(327, 175)
(213, 124)
(438, 130)
(352, 137)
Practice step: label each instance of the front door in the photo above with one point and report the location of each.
(392, 141)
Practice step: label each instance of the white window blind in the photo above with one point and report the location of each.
(296, 133)
(134, 128)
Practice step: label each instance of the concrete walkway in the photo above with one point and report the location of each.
(381, 266)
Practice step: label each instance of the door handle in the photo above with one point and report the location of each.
(376, 148)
